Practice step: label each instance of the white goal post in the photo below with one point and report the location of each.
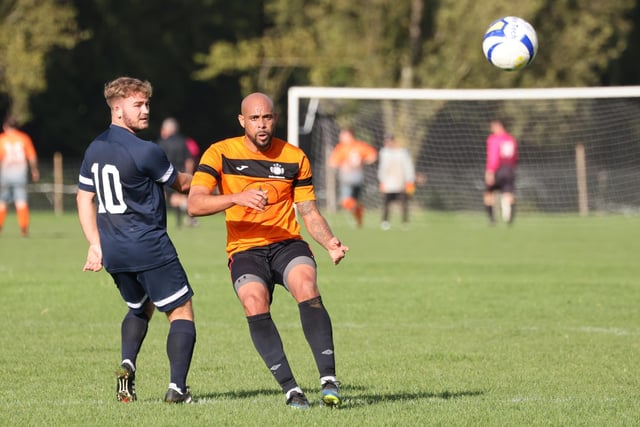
(579, 147)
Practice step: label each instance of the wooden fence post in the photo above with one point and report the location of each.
(58, 184)
(581, 175)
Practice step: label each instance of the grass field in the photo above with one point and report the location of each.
(449, 323)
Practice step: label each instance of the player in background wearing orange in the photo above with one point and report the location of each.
(17, 156)
(259, 179)
(500, 171)
(350, 156)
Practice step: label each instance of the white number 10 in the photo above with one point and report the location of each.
(109, 189)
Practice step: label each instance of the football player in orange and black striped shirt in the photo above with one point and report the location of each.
(257, 180)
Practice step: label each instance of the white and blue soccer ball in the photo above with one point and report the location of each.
(510, 43)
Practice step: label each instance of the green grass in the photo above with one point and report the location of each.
(450, 323)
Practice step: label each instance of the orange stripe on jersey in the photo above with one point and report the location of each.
(283, 171)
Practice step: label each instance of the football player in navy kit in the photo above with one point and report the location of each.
(122, 212)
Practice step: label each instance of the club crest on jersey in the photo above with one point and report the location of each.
(277, 171)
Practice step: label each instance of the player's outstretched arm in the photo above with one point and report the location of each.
(319, 229)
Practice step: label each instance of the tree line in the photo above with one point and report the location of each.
(203, 56)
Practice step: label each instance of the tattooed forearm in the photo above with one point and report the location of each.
(305, 208)
(316, 225)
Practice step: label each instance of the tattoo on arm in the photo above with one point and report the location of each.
(314, 221)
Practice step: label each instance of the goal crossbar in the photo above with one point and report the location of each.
(296, 93)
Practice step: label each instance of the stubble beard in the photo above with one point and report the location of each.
(262, 146)
(136, 124)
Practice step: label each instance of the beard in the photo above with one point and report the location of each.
(262, 143)
(135, 123)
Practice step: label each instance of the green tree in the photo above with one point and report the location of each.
(326, 42)
(418, 43)
(156, 41)
(29, 30)
(203, 55)
(577, 41)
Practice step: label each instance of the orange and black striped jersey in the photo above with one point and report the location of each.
(283, 171)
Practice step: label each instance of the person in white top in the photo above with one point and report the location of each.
(396, 175)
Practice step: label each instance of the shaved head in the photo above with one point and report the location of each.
(258, 118)
(250, 100)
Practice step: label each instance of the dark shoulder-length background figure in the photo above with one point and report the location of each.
(122, 212)
(175, 145)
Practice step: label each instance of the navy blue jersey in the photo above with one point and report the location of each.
(127, 174)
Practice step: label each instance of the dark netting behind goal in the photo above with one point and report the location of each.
(578, 153)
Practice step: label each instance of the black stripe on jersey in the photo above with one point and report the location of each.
(209, 170)
(302, 182)
(260, 168)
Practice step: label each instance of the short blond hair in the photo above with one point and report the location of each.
(123, 87)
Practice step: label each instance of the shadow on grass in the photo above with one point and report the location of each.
(238, 394)
(353, 396)
(373, 399)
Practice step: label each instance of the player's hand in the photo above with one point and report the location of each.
(489, 178)
(94, 259)
(337, 250)
(253, 198)
(410, 188)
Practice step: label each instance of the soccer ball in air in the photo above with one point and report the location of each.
(510, 43)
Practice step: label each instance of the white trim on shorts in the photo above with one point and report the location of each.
(138, 305)
(176, 296)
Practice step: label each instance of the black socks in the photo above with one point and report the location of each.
(133, 331)
(316, 325)
(180, 343)
(267, 342)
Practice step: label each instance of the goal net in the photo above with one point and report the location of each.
(579, 148)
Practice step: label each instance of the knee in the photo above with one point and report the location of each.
(488, 199)
(509, 198)
(254, 302)
(183, 312)
(134, 314)
(149, 309)
(303, 290)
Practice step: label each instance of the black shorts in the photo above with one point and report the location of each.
(166, 286)
(269, 264)
(505, 179)
(395, 197)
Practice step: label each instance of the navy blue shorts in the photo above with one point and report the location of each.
(166, 286)
(269, 264)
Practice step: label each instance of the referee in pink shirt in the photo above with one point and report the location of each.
(502, 159)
